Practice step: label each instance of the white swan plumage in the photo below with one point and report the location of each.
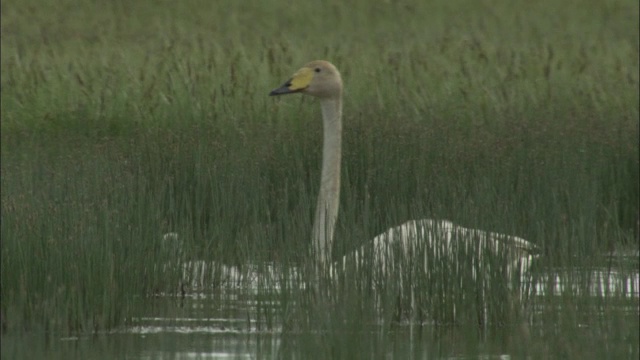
(322, 80)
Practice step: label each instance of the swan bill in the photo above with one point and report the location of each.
(298, 82)
(286, 88)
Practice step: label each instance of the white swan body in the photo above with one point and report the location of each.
(396, 248)
(436, 241)
(322, 80)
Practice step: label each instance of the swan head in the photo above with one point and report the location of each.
(318, 78)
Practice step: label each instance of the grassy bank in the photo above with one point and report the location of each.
(121, 122)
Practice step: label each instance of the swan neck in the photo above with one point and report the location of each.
(329, 195)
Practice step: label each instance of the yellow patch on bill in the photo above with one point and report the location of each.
(301, 79)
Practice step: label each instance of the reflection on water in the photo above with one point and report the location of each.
(224, 325)
(591, 282)
(237, 318)
(210, 324)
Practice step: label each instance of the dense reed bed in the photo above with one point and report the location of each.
(123, 121)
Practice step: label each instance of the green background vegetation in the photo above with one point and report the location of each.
(124, 120)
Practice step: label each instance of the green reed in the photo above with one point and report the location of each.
(512, 117)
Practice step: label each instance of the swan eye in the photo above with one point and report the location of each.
(317, 70)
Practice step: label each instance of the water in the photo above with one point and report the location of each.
(240, 321)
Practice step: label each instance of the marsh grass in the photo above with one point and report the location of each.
(516, 117)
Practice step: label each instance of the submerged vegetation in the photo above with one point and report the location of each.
(124, 121)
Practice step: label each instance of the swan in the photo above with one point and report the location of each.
(322, 80)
